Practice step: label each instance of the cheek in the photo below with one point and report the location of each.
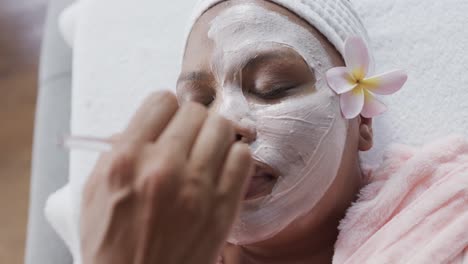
(290, 135)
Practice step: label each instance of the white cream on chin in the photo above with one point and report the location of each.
(302, 137)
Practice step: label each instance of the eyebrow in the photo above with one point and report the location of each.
(268, 56)
(204, 76)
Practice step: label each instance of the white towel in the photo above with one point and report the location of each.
(123, 50)
(335, 19)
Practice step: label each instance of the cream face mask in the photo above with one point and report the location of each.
(301, 137)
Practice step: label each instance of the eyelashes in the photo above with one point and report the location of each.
(204, 99)
(274, 93)
(192, 91)
(264, 92)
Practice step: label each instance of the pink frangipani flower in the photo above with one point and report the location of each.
(357, 90)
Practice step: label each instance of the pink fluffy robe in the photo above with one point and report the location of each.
(414, 208)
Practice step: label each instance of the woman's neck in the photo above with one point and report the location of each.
(317, 247)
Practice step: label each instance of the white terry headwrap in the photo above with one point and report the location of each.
(335, 19)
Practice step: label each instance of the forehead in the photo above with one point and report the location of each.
(199, 41)
(203, 24)
(199, 44)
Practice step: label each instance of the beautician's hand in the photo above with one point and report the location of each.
(168, 192)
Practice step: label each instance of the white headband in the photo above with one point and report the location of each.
(335, 19)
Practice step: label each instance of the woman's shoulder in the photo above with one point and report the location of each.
(414, 208)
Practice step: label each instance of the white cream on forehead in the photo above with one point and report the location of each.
(302, 137)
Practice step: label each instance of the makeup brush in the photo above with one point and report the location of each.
(94, 144)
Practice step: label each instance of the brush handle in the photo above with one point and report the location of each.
(95, 144)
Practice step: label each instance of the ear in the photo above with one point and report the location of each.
(366, 135)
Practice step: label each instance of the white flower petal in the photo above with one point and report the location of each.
(352, 103)
(372, 106)
(356, 56)
(386, 83)
(340, 80)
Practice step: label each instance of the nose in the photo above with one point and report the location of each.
(244, 133)
(234, 107)
(243, 126)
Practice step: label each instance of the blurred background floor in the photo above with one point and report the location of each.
(21, 25)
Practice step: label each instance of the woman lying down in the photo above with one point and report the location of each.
(256, 159)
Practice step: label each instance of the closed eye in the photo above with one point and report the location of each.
(199, 91)
(200, 96)
(275, 93)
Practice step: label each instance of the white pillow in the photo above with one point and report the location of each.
(430, 40)
(123, 50)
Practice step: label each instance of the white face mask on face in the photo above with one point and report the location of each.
(303, 138)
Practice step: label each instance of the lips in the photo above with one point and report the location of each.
(262, 182)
